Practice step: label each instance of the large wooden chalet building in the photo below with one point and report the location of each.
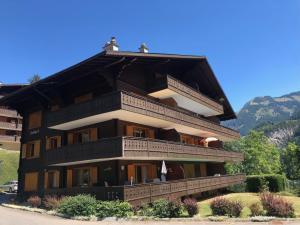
(10, 120)
(110, 124)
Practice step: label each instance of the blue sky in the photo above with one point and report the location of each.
(252, 46)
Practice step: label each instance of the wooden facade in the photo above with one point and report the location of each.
(105, 125)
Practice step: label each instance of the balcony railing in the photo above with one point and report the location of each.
(140, 105)
(9, 113)
(145, 193)
(10, 126)
(10, 138)
(188, 92)
(138, 148)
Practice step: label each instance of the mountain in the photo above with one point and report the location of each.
(268, 113)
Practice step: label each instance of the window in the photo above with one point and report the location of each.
(53, 142)
(31, 181)
(139, 132)
(31, 149)
(53, 179)
(35, 120)
(82, 136)
(81, 177)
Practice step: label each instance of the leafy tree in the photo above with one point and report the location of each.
(261, 157)
(34, 78)
(291, 161)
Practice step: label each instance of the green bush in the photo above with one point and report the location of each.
(272, 182)
(80, 205)
(166, 209)
(113, 208)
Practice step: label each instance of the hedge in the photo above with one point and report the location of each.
(274, 182)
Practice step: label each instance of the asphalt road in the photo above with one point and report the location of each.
(18, 217)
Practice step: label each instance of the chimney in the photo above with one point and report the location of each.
(144, 48)
(111, 45)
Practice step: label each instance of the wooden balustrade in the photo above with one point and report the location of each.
(10, 126)
(10, 138)
(187, 91)
(138, 148)
(9, 113)
(140, 105)
(145, 193)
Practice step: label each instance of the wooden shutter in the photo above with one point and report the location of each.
(47, 143)
(70, 138)
(69, 178)
(129, 130)
(58, 141)
(24, 146)
(151, 134)
(35, 120)
(94, 136)
(56, 177)
(131, 172)
(31, 181)
(94, 175)
(46, 180)
(152, 171)
(203, 172)
(37, 147)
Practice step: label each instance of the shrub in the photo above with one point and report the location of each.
(51, 202)
(191, 206)
(220, 206)
(237, 188)
(113, 208)
(34, 201)
(80, 205)
(236, 208)
(145, 210)
(276, 205)
(223, 207)
(256, 209)
(273, 183)
(166, 209)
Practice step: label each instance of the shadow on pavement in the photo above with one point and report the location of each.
(7, 197)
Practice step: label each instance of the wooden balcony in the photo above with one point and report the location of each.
(9, 113)
(145, 193)
(134, 108)
(136, 149)
(8, 138)
(10, 126)
(186, 97)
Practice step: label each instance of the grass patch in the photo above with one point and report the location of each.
(247, 199)
(9, 165)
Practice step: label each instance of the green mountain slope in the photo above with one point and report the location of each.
(9, 163)
(265, 110)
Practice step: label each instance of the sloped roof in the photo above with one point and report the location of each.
(211, 86)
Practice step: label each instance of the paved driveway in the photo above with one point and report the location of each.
(18, 217)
